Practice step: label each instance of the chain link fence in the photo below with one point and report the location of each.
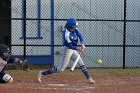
(110, 29)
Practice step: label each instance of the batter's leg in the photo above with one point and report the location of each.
(65, 55)
(83, 67)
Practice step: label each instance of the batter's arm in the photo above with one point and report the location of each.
(69, 42)
(79, 34)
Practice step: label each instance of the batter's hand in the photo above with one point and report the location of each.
(81, 49)
(83, 46)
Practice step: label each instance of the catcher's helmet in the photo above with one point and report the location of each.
(72, 23)
(4, 48)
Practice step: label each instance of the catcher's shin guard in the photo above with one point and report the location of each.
(25, 65)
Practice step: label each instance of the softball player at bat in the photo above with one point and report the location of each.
(69, 50)
(4, 60)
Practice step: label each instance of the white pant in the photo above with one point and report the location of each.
(66, 55)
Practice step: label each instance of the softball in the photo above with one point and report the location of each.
(99, 61)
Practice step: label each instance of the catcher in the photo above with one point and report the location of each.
(4, 60)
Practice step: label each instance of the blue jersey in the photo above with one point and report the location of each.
(71, 38)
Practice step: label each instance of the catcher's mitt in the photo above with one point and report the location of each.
(25, 65)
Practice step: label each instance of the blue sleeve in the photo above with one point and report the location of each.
(71, 46)
(80, 36)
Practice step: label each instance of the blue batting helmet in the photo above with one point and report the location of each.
(72, 23)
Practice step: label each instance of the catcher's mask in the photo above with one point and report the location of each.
(4, 52)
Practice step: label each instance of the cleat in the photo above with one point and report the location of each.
(39, 77)
(91, 81)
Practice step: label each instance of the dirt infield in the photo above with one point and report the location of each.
(73, 84)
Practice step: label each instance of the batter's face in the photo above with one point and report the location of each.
(72, 29)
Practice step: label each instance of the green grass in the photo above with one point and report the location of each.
(21, 72)
(117, 71)
(95, 71)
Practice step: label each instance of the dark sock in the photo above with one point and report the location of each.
(85, 72)
(50, 71)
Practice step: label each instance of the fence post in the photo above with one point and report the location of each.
(24, 29)
(124, 35)
(52, 31)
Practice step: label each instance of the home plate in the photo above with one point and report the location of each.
(61, 85)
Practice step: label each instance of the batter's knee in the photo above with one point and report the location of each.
(80, 62)
(61, 70)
